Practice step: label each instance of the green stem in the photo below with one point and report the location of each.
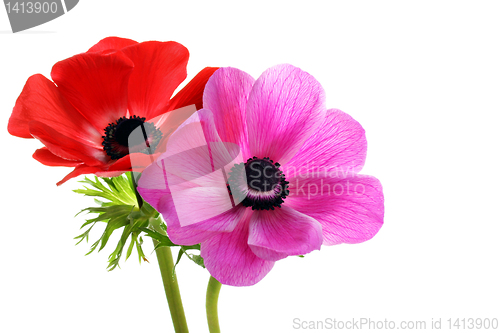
(134, 185)
(166, 263)
(213, 290)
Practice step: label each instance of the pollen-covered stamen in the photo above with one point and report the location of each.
(258, 183)
(121, 137)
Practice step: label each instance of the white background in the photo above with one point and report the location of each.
(422, 77)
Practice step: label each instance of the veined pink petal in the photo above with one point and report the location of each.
(208, 192)
(194, 233)
(195, 148)
(283, 232)
(226, 95)
(224, 222)
(230, 260)
(187, 155)
(286, 105)
(350, 209)
(153, 178)
(223, 154)
(195, 168)
(163, 203)
(169, 121)
(196, 204)
(337, 148)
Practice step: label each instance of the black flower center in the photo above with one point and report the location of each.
(258, 183)
(130, 135)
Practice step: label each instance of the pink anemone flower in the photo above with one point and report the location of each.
(263, 172)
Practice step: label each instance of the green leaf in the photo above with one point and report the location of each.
(179, 257)
(117, 208)
(117, 191)
(197, 259)
(162, 240)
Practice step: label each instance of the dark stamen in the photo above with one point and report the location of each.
(258, 183)
(121, 137)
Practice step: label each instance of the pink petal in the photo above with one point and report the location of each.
(226, 95)
(159, 68)
(230, 260)
(196, 204)
(195, 148)
(283, 232)
(194, 170)
(195, 153)
(285, 106)
(350, 209)
(96, 84)
(338, 147)
(196, 233)
(162, 201)
(191, 234)
(153, 178)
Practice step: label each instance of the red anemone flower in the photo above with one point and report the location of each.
(97, 98)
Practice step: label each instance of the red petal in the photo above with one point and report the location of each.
(40, 100)
(192, 93)
(159, 69)
(44, 156)
(66, 147)
(111, 43)
(96, 84)
(136, 161)
(79, 170)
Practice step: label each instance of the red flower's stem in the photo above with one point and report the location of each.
(166, 263)
(213, 290)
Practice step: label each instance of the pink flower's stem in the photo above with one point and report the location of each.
(213, 290)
